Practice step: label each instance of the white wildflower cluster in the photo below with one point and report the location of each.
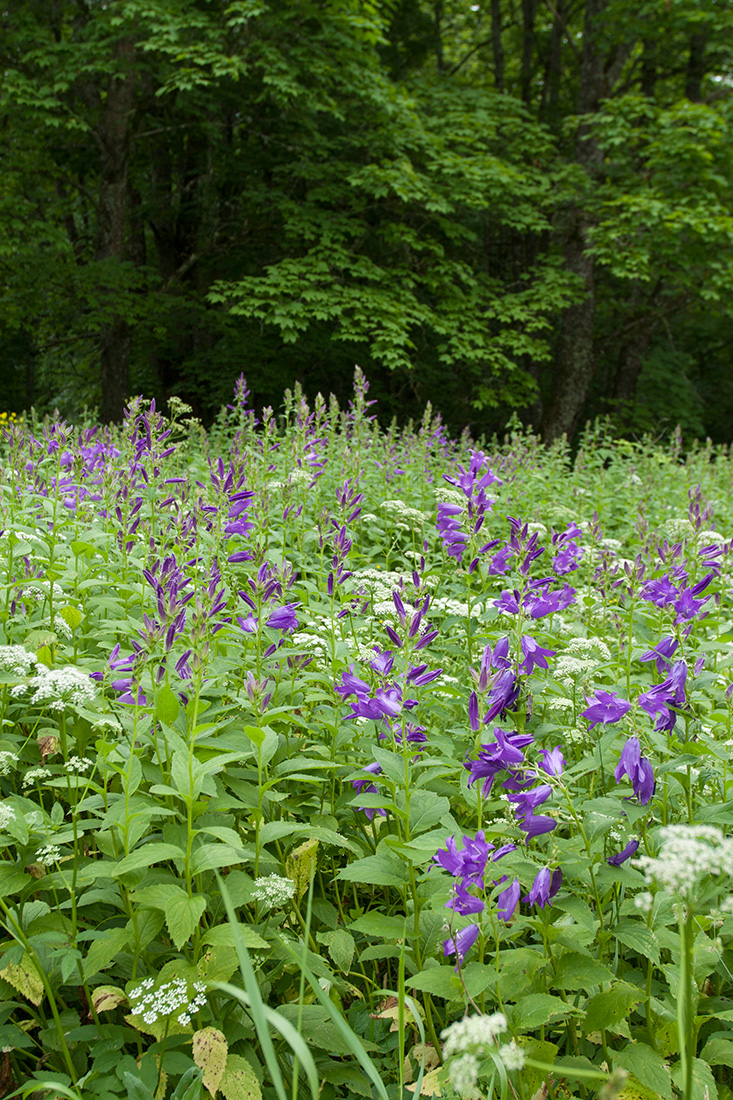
(273, 891)
(58, 687)
(16, 659)
(687, 854)
(611, 544)
(644, 901)
(168, 999)
(48, 855)
(449, 606)
(385, 609)
(8, 760)
(589, 648)
(58, 625)
(569, 669)
(403, 513)
(464, 1075)
(379, 583)
(449, 496)
(35, 775)
(677, 529)
(369, 516)
(77, 765)
(512, 1055)
(726, 906)
(706, 537)
(472, 1031)
(7, 814)
(310, 642)
(537, 529)
(559, 702)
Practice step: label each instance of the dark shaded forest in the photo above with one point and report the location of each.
(502, 206)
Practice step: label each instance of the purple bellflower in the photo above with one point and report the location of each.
(545, 886)
(638, 769)
(534, 655)
(461, 943)
(605, 707)
(661, 653)
(508, 900)
(620, 857)
(553, 761)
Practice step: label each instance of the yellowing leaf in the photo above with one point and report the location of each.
(430, 1084)
(239, 1081)
(209, 1051)
(107, 997)
(24, 977)
(301, 866)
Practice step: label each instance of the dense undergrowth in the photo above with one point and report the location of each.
(347, 762)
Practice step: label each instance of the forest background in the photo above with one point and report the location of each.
(498, 206)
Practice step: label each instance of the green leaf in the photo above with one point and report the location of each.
(439, 981)
(538, 1009)
(639, 937)
(383, 869)
(340, 946)
(614, 1004)
(703, 1082)
(182, 915)
(576, 971)
(426, 810)
(146, 856)
(647, 1066)
(718, 1051)
(105, 949)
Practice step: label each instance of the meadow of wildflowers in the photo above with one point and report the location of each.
(341, 761)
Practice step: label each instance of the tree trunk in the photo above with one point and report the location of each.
(529, 12)
(496, 45)
(695, 67)
(574, 361)
(115, 334)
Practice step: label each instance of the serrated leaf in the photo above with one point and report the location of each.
(167, 705)
(341, 947)
(703, 1082)
(576, 971)
(182, 915)
(240, 1081)
(648, 1066)
(146, 856)
(539, 1009)
(639, 937)
(383, 869)
(24, 977)
(300, 866)
(209, 1050)
(72, 616)
(614, 1004)
(426, 810)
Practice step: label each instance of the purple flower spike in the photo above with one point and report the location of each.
(638, 769)
(630, 850)
(536, 825)
(553, 762)
(283, 618)
(508, 900)
(534, 655)
(461, 943)
(544, 888)
(473, 715)
(464, 903)
(605, 707)
(661, 653)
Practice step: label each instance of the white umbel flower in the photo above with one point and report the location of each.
(7, 814)
(273, 891)
(16, 659)
(687, 854)
(464, 1075)
(58, 687)
(473, 1031)
(171, 998)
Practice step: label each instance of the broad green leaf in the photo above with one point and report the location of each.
(105, 949)
(576, 971)
(639, 937)
(703, 1082)
(647, 1066)
(426, 810)
(340, 946)
(167, 705)
(182, 915)
(718, 1051)
(539, 1009)
(608, 1007)
(300, 866)
(147, 856)
(383, 869)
